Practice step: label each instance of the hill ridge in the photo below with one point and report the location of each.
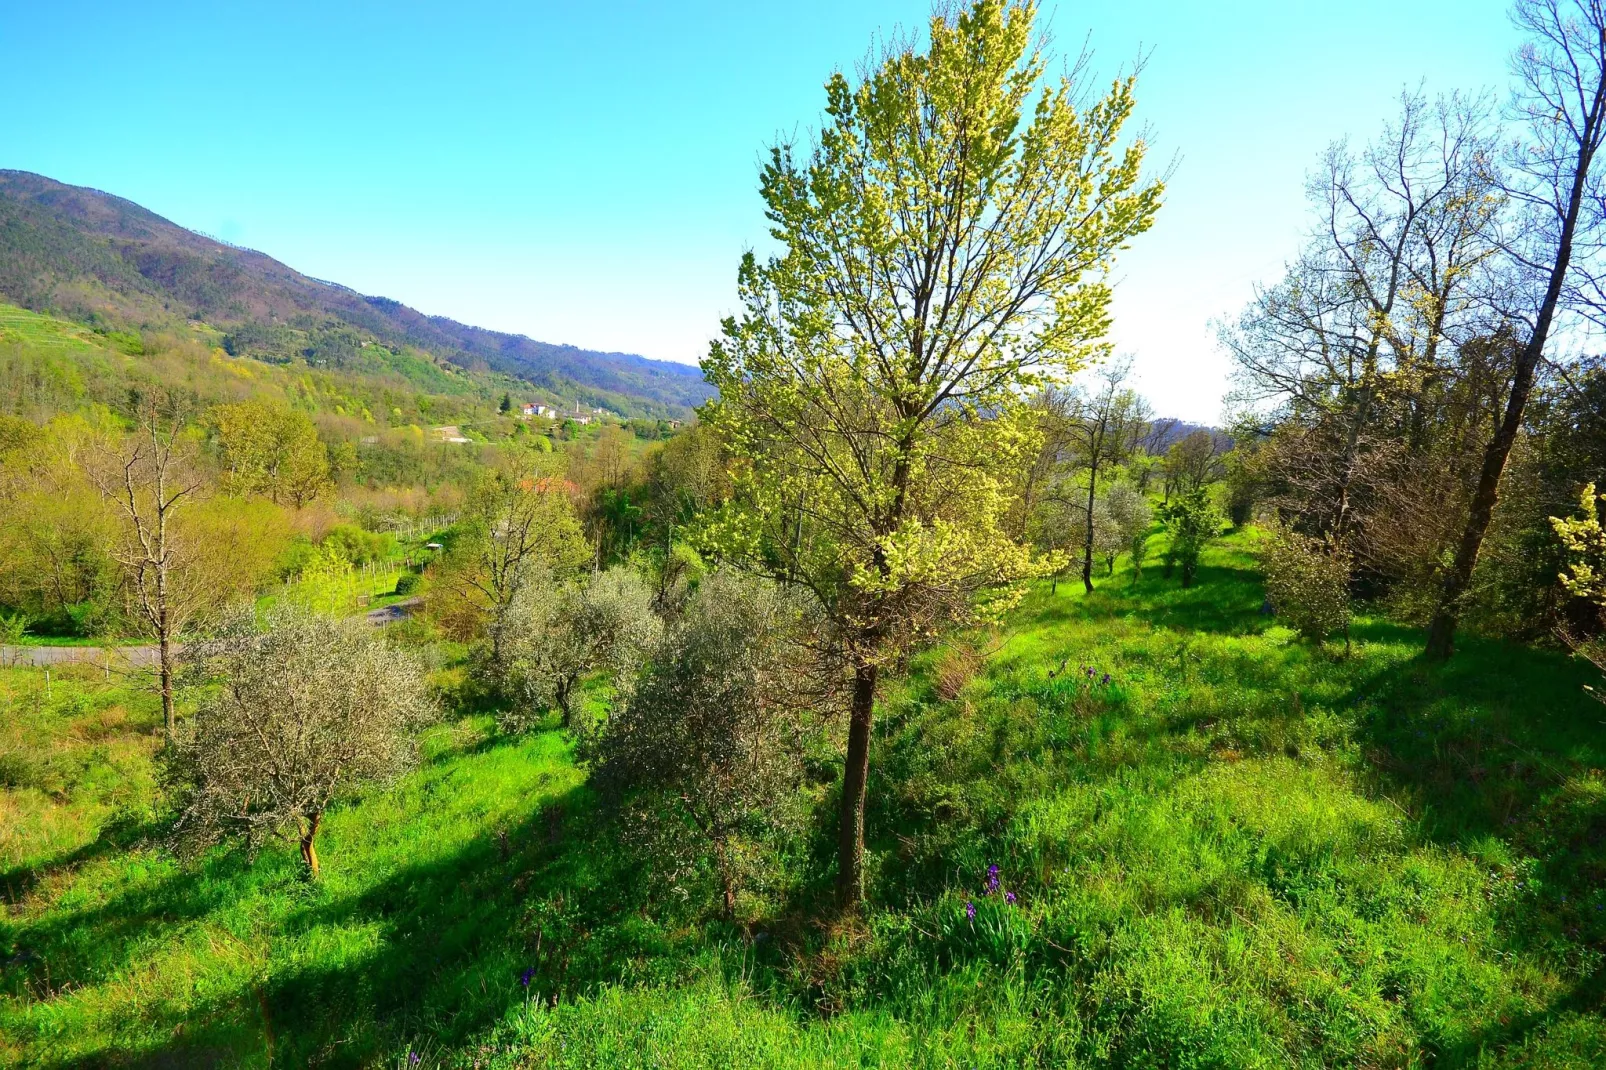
(94, 256)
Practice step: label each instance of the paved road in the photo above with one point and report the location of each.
(141, 657)
(119, 657)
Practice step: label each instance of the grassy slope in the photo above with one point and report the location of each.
(1241, 852)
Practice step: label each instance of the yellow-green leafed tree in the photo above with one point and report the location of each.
(272, 451)
(946, 237)
(1584, 537)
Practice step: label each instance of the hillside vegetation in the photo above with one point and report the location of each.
(1239, 851)
(99, 259)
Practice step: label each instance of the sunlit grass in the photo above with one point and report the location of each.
(1241, 850)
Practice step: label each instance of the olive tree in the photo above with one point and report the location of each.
(1125, 518)
(296, 713)
(704, 757)
(945, 241)
(557, 635)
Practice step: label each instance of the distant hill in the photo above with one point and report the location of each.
(101, 259)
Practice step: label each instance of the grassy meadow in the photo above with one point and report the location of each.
(1216, 846)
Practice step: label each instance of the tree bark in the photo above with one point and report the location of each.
(855, 781)
(309, 851)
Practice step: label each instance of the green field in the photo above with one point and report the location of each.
(1240, 851)
(18, 326)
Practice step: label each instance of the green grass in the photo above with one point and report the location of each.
(20, 327)
(1242, 851)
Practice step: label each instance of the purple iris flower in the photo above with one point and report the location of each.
(1009, 897)
(970, 910)
(1106, 680)
(524, 978)
(412, 1058)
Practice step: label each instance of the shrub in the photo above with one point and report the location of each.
(956, 667)
(408, 583)
(1307, 581)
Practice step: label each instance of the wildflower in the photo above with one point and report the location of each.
(412, 1058)
(992, 880)
(1009, 897)
(970, 910)
(524, 978)
(1106, 681)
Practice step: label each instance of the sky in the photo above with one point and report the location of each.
(587, 172)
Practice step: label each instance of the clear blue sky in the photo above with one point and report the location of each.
(586, 172)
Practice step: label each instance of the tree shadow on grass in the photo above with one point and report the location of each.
(1498, 753)
(446, 944)
(118, 834)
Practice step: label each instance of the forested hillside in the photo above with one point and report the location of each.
(99, 259)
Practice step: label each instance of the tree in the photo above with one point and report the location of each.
(1193, 463)
(1127, 519)
(1561, 101)
(301, 712)
(705, 755)
(559, 635)
(1307, 582)
(1584, 539)
(519, 528)
(150, 478)
(272, 451)
(1356, 347)
(943, 256)
(1193, 522)
(505, 406)
(1100, 429)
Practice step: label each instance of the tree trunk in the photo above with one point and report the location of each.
(165, 671)
(309, 851)
(1447, 614)
(855, 780)
(1087, 549)
(563, 701)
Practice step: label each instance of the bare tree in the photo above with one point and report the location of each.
(1352, 344)
(1106, 429)
(1085, 433)
(303, 710)
(1561, 101)
(150, 477)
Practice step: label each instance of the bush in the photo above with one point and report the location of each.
(408, 583)
(1307, 582)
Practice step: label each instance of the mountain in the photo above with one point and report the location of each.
(97, 258)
